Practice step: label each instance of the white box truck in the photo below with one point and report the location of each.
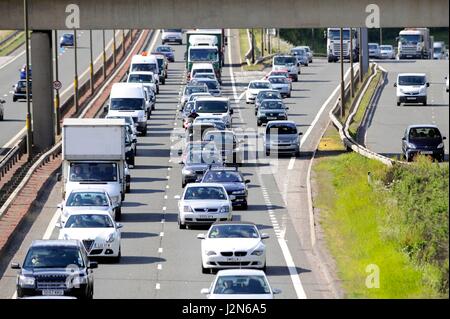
(333, 36)
(415, 43)
(93, 154)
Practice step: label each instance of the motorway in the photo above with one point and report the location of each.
(15, 112)
(390, 121)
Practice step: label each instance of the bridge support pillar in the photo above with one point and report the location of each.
(42, 89)
(365, 50)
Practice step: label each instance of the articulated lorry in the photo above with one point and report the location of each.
(334, 44)
(415, 43)
(205, 46)
(93, 154)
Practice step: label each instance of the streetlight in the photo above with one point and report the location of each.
(91, 64)
(27, 90)
(104, 55)
(114, 47)
(123, 42)
(75, 81)
(57, 110)
(351, 64)
(342, 73)
(360, 56)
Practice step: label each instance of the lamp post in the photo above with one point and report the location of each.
(342, 73)
(57, 110)
(91, 64)
(351, 64)
(75, 81)
(104, 55)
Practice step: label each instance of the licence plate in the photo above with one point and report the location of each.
(410, 98)
(206, 217)
(271, 118)
(52, 292)
(233, 259)
(426, 152)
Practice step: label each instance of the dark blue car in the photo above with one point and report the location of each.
(23, 74)
(66, 40)
(232, 180)
(167, 51)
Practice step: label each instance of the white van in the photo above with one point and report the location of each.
(201, 68)
(209, 106)
(149, 82)
(129, 99)
(145, 63)
(411, 88)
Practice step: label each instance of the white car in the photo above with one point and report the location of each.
(147, 78)
(281, 83)
(172, 35)
(191, 88)
(85, 200)
(214, 106)
(253, 89)
(233, 245)
(387, 52)
(309, 52)
(411, 88)
(289, 63)
(240, 284)
(203, 204)
(97, 231)
(374, 50)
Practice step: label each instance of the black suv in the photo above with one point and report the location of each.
(56, 268)
(20, 91)
(424, 140)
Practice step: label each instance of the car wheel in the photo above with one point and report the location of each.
(424, 103)
(14, 99)
(19, 292)
(399, 103)
(1, 117)
(144, 132)
(264, 268)
(247, 102)
(267, 152)
(128, 188)
(118, 213)
(205, 270)
(119, 255)
(258, 123)
(289, 95)
(180, 225)
(157, 90)
(245, 205)
(297, 154)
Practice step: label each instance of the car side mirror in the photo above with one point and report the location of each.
(264, 236)
(58, 177)
(2, 101)
(119, 226)
(276, 291)
(287, 108)
(444, 138)
(428, 84)
(15, 266)
(180, 152)
(59, 206)
(92, 265)
(395, 85)
(231, 111)
(201, 236)
(105, 109)
(247, 181)
(204, 291)
(300, 133)
(403, 138)
(181, 162)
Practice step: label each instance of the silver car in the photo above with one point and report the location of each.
(281, 84)
(301, 55)
(192, 88)
(282, 137)
(204, 204)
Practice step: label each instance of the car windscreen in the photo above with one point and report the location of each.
(242, 285)
(421, 133)
(163, 49)
(202, 54)
(93, 172)
(335, 34)
(205, 75)
(410, 38)
(437, 50)
(219, 137)
(195, 89)
(278, 80)
(411, 80)
(144, 67)
(300, 52)
(205, 193)
(222, 176)
(259, 85)
(233, 231)
(385, 48)
(269, 95)
(211, 106)
(140, 78)
(284, 60)
(203, 157)
(53, 257)
(212, 85)
(195, 71)
(131, 104)
(271, 105)
(89, 221)
(373, 46)
(87, 199)
(281, 129)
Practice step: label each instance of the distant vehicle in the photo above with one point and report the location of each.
(172, 35)
(47, 266)
(334, 44)
(424, 140)
(130, 148)
(202, 68)
(147, 78)
(253, 89)
(266, 95)
(86, 200)
(192, 88)
(288, 62)
(23, 73)
(196, 164)
(233, 181)
(411, 88)
(20, 92)
(146, 63)
(301, 55)
(446, 83)
(233, 245)
(196, 146)
(415, 43)
(271, 110)
(212, 84)
(387, 52)
(240, 284)
(439, 50)
(2, 109)
(309, 52)
(167, 51)
(374, 50)
(97, 231)
(66, 40)
(281, 84)
(162, 67)
(214, 106)
(227, 144)
(282, 137)
(204, 204)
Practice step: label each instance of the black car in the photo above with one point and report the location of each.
(56, 268)
(271, 110)
(232, 180)
(423, 140)
(20, 90)
(196, 163)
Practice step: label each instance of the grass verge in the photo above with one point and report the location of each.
(393, 222)
(12, 44)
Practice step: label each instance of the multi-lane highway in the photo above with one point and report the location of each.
(390, 121)
(15, 112)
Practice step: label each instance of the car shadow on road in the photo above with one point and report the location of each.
(132, 204)
(283, 270)
(155, 152)
(147, 179)
(140, 260)
(145, 191)
(141, 217)
(263, 207)
(150, 167)
(136, 235)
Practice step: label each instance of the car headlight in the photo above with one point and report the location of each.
(258, 252)
(401, 90)
(239, 192)
(111, 238)
(441, 145)
(411, 145)
(26, 281)
(210, 253)
(225, 209)
(187, 172)
(187, 209)
(79, 280)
